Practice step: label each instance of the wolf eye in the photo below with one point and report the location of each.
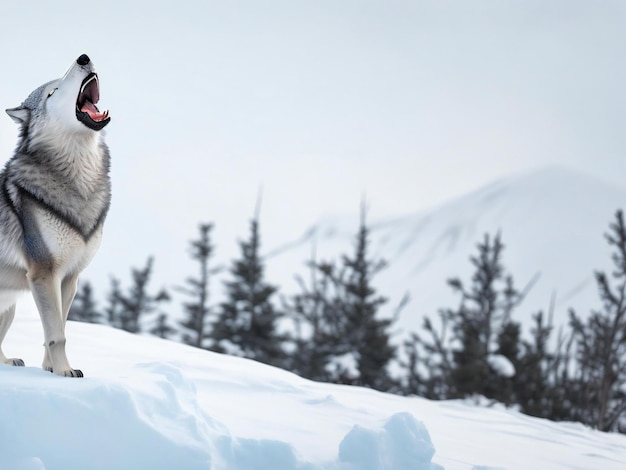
(52, 92)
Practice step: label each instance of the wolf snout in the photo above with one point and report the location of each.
(83, 60)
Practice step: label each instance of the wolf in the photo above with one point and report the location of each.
(55, 193)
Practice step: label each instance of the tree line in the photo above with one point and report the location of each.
(338, 328)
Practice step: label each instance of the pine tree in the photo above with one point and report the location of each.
(355, 313)
(138, 302)
(465, 356)
(415, 381)
(482, 322)
(317, 337)
(162, 328)
(431, 356)
(247, 323)
(542, 381)
(84, 306)
(601, 342)
(366, 331)
(113, 309)
(196, 325)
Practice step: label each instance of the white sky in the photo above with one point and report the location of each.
(320, 102)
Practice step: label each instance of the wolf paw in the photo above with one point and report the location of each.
(16, 362)
(73, 373)
(67, 373)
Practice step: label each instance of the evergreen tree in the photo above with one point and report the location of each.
(601, 343)
(83, 307)
(196, 325)
(432, 356)
(138, 302)
(317, 338)
(365, 331)
(415, 381)
(466, 355)
(542, 382)
(113, 309)
(352, 318)
(481, 320)
(162, 328)
(247, 322)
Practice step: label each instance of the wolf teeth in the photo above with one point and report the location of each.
(82, 89)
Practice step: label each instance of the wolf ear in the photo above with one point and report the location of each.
(19, 114)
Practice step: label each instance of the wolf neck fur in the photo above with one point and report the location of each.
(75, 157)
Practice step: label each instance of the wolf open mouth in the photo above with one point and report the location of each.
(86, 110)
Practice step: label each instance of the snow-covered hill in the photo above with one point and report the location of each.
(147, 403)
(552, 223)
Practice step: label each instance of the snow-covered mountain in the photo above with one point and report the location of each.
(552, 223)
(152, 404)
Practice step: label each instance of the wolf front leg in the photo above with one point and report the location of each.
(68, 291)
(6, 318)
(47, 291)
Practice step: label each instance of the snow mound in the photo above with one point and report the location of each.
(150, 403)
(403, 443)
(101, 421)
(152, 419)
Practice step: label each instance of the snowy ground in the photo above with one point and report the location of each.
(148, 403)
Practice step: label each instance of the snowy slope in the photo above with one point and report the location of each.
(552, 223)
(149, 403)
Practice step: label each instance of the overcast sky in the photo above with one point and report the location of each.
(320, 102)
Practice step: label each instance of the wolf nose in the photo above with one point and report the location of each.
(83, 60)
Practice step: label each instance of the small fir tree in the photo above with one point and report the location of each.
(196, 324)
(356, 311)
(542, 385)
(466, 355)
(247, 322)
(429, 361)
(601, 343)
(84, 307)
(162, 328)
(481, 321)
(317, 338)
(367, 332)
(112, 311)
(138, 302)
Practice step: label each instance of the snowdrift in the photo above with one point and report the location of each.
(149, 403)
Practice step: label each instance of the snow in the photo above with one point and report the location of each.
(150, 403)
(501, 365)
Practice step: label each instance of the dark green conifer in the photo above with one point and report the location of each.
(196, 325)
(84, 305)
(601, 342)
(247, 322)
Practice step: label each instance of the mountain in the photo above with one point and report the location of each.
(150, 403)
(552, 222)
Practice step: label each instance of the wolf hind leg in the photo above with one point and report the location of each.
(6, 318)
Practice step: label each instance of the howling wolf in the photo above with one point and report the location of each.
(54, 196)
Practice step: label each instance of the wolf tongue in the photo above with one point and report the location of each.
(93, 112)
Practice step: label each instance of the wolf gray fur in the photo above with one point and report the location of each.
(54, 196)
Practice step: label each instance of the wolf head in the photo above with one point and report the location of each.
(66, 105)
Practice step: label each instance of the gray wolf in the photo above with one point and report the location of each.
(54, 196)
